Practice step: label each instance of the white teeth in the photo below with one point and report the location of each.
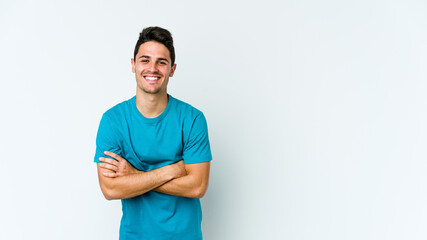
(151, 78)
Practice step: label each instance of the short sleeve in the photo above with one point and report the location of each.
(197, 148)
(106, 139)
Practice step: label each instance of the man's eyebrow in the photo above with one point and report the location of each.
(160, 59)
(163, 59)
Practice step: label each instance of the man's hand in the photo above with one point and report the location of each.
(120, 166)
(178, 168)
(193, 185)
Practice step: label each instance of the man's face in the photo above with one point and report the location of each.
(152, 67)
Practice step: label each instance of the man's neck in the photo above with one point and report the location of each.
(151, 105)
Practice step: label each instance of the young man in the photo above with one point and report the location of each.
(153, 152)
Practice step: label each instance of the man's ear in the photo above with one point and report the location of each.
(132, 61)
(172, 70)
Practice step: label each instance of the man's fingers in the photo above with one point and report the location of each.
(109, 166)
(110, 175)
(113, 155)
(109, 161)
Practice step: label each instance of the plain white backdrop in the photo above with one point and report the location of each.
(316, 112)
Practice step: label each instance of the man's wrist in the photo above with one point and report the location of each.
(172, 171)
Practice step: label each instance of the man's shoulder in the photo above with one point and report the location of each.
(186, 109)
(119, 109)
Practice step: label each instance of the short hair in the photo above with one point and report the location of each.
(159, 35)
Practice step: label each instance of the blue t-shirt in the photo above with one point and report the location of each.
(180, 132)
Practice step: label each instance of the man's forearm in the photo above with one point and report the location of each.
(119, 179)
(183, 187)
(135, 184)
(192, 185)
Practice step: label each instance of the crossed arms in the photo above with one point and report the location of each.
(120, 180)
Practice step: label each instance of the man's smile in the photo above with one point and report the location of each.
(151, 79)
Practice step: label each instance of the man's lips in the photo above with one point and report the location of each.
(151, 78)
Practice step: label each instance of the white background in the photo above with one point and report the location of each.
(316, 112)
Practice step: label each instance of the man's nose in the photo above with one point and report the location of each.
(152, 67)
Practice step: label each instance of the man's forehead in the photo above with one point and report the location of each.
(153, 50)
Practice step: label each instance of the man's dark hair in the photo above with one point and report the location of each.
(159, 35)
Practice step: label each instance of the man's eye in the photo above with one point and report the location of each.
(162, 63)
(144, 60)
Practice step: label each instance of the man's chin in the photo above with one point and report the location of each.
(152, 91)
